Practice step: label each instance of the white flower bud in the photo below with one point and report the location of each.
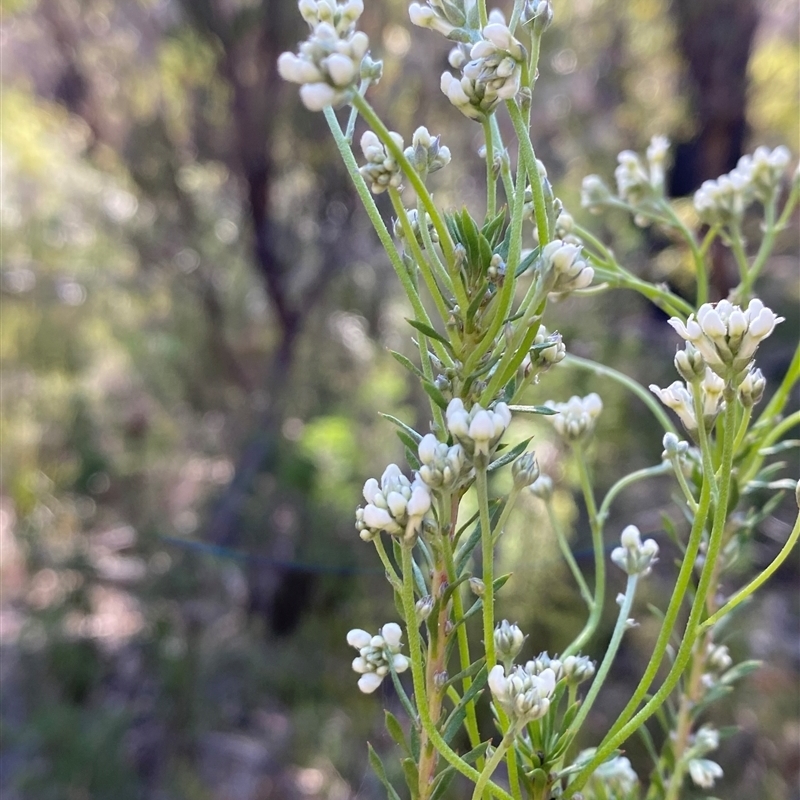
(508, 641)
(576, 418)
(634, 556)
(704, 772)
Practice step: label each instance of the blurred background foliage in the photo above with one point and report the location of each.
(195, 325)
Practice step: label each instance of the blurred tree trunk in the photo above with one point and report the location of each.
(715, 38)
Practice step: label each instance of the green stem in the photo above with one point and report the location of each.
(646, 397)
(566, 551)
(596, 525)
(772, 228)
(380, 228)
(751, 587)
(391, 572)
(687, 492)
(487, 557)
(422, 262)
(418, 678)
(529, 159)
(684, 654)
(462, 639)
(662, 298)
(506, 298)
(492, 764)
(505, 169)
(505, 513)
(491, 178)
(682, 584)
(375, 122)
(608, 658)
(737, 247)
(743, 427)
(628, 480)
(697, 254)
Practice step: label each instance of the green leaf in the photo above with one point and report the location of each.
(442, 782)
(477, 301)
(470, 238)
(471, 670)
(435, 395)
(411, 455)
(459, 713)
(411, 774)
(545, 411)
(404, 699)
(739, 671)
(510, 455)
(396, 731)
(378, 768)
(407, 363)
(415, 437)
(430, 332)
(526, 262)
(493, 229)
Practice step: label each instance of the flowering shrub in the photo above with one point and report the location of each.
(477, 363)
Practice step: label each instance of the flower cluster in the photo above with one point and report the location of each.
(508, 641)
(525, 470)
(523, 695)
(576, 418)
(573, 669)
(413, 221)
(443, 467)
(703, 771)
(396, 505)
(425, 153)
(443, 17)
(377, 655)
(635, 556)
(637, 184)
(563, 270)
(680, 398)
(756, 177)
(547, 350)
(477, 430)
(381, 170)
(726, 335)
(489, 74)
(328, 64)
(613, 780)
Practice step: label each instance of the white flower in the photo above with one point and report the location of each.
(633, 182)
(615, 778)
(381, 170)
(578, 669)
(723, 201)
(377, 655)
(577, 417)
(751, 389)
(594, 193)
(764, 170)
(478, 430)
(395, 505)
(329, 62)
(547, 350)
(523, 696)
(564, 268)
(634, 556)
(427, 17)
(425, 152)
(726, 335)
(342, 16)
(508, 641)
(704, 772)
(656, 159)
(442, 466)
